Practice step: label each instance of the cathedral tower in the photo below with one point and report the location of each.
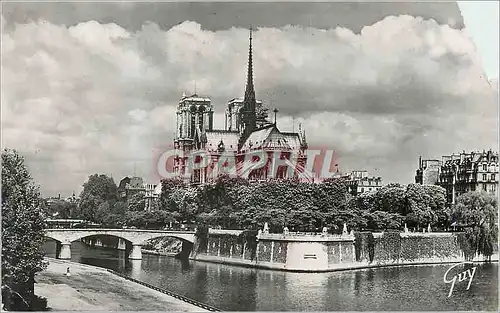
(194, 119)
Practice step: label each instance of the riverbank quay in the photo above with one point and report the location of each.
(329, 253)
(92, 288)
(342, 268)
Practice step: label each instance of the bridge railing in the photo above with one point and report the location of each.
(121, 229)
(305, 236)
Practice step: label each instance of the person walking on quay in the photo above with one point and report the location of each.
(68, 274)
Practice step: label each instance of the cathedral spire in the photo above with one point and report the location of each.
(249, 101)
(249, 88)
(248, 113)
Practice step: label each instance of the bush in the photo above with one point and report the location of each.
(250, 238)
(391, 245)
(14, 301)
(466, 242)
(202, 236)
(39, 303)
(364, 245)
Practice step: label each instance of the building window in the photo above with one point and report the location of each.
(362, 189)
(485, 167)
(492, 176)
(484, 187)
(484, 176)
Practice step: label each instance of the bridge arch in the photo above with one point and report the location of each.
(63, 242)
(136, 237)
(53, 238)
(64, 239)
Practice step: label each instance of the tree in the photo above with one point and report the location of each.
(436, 197)
(477, 211)
(137, 202)
(88, 207)
(22, 232)
(331, 198)
(102, 213)
(61, 209)
(382, 220)
(364, 202)
(352, 215)
(222, 193)
(426, 205)
(98, 189)
(135, 218)
(168, 186)
(391, 198)
(100, 186)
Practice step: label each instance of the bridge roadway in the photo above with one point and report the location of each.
(137, 237)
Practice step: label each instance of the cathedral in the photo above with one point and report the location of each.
(247, 129)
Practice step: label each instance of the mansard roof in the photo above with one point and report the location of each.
(135, 182)
(474, 157)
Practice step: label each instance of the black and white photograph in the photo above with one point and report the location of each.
(249, 156)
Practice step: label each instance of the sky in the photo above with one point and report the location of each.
(481, 18)
(92, 87)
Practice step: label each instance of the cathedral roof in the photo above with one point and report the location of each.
(269, 137)
(292, 139)
(195, 98)
(229, 138)
(257, 138)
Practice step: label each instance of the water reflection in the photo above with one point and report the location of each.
(312, 287)
(357, 282)
(135, 268)
(246, 289)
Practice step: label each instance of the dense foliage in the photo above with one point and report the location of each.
(249, 237)
(364, 246)
(235, 203)
(61, 208)
(22, 234)
(98, 191)
(390, 244)
(477, 213)
(202, 238)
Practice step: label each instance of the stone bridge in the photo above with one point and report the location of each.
(137, 237)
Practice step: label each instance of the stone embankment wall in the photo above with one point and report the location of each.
(164, 245)
(313, 253)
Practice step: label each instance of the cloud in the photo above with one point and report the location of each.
(99, 98)
(223, 15)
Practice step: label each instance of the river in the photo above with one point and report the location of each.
(233, 288)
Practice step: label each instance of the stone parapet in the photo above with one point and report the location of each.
(325, 252)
